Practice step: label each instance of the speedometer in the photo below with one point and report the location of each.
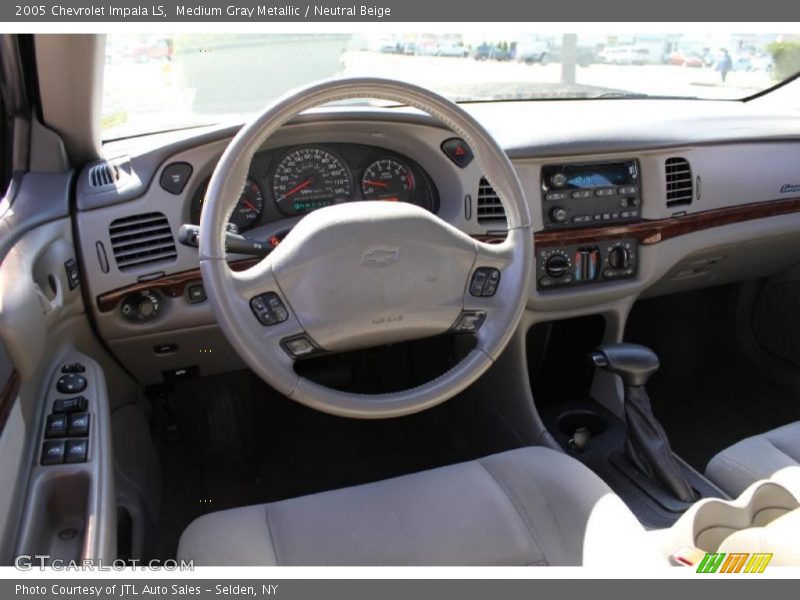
(310, 178)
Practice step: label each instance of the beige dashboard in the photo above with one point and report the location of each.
(737, 225)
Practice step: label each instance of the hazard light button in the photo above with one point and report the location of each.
(457, 150)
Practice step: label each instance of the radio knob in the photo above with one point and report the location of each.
(618, 258)
(556, 266)
(558, 180)
(558, 214)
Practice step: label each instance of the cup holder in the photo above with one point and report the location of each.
(569, 422)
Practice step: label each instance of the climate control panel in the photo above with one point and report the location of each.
(582, 264)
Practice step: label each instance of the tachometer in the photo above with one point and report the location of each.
(310, 178)
(248, 209)
(387, 179)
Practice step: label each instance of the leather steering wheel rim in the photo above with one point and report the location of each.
(282, 272)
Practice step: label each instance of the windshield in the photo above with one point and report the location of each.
(161, 82)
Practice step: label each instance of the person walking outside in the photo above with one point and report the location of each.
(724, 65)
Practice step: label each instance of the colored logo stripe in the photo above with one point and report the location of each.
(734, 562)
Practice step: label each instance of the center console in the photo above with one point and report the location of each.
(581, 195)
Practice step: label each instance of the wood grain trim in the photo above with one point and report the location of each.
(170, 285)
(646, 232)
(7, 397)
(653, 232)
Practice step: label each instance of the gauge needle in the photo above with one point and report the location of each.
(297, 188)
(249, 205)
(376, 183)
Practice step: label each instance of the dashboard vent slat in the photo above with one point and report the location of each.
(680, 188)
(142, 239)
(490, 209)
(104, 174)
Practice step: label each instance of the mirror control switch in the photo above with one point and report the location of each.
(71, 383)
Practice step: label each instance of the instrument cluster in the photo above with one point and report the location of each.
(294, 181)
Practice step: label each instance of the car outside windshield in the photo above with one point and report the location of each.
(159, 82)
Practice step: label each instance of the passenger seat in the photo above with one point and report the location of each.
(754, 458)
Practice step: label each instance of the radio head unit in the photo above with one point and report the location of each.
(586, 194)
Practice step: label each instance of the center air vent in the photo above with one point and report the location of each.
(679, 182)
(490, 209)
(142, 239)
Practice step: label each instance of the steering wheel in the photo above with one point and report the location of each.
(362, 274)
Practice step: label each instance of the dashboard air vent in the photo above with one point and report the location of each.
(679, 182)
(142, 239)
(104, 174)
(490, 209)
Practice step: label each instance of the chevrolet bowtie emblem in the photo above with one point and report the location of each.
(381, 258)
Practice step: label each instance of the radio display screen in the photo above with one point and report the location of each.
(587, 176)
(599, 176)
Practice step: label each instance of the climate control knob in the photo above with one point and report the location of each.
(556, 266)
(619, 258)
(558, 214)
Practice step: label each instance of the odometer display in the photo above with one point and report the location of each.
(310, 178)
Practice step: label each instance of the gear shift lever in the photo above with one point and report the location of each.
(647, 445)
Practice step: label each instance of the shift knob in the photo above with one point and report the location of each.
(634, 363)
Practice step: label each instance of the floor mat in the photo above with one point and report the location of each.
(237, 442)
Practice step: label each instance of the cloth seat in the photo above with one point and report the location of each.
(754, 458)
(530, 506)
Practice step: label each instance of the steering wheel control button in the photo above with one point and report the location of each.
(484, 282)
(53, 452)
(76, 451)
(269, 309)
(78, 425)
(298, 346)
(56, 426)
(71, 383)
(70, 405)
(469, 321)
(457, 150)
(174, 177)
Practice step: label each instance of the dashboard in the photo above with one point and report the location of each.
(630, 199)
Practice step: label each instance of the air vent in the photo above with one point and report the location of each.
(141, 240)
(104, 174)
(490, 209)
(679, 182)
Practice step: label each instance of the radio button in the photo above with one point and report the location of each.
(628, 190)
(581, 193)
(554, 196)
(558, 214)
(582, 219)
(605, 192)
